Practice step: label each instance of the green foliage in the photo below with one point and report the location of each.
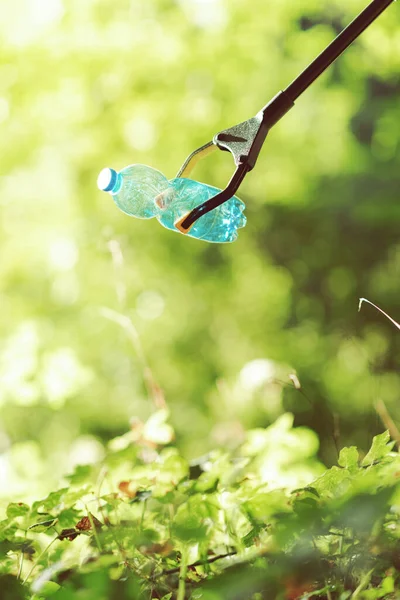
(380, 448)
(153, 528)
(147, 81)
(348, 458)
(103, 316)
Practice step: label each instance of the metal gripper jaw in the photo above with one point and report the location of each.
(244, 141)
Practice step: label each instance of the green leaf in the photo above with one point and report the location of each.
(190, 530)
(48, 589)
(68, 517)
(8, 528)
(72, 496)
(103, 562)
(81, 474)
(17, 545)
(43, 525)
(360, 512)
(381, 447)
(250, 537)
(142, 495)
(195, 519)
(262, 505)
(17, 509)
(333, 482)
(388, 585)
(207, 482)
(157, 429)
(348, 458)
(51, 501)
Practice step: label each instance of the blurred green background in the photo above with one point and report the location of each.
(94, 83)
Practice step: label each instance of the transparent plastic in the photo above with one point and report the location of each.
(144, 192)
(134, 189)
(219, 225)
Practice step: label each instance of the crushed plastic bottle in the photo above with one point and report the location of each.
(144, 192)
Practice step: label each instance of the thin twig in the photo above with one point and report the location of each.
(363, 584)
(39, 557)
(94, 530)
(339, 534)
(102, 477)
(336, 431)
(21, 562)
(118, 264)
(388, 422)
(395, 323)
(100, 481)
(127, 325)
(297, 386)
(199, 563)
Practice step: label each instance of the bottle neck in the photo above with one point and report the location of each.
(117, 185)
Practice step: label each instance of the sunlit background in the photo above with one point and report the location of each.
(102, 316)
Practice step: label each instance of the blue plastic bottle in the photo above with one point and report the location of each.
(143, 192)
(134, 189)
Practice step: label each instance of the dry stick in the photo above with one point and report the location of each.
(298, 387)
(388, 422)
(120, 289)
(336, 431)
(128, 326)
(395, 323)
(380, 405)
(126, 323)
(118, 263)
(199, 563)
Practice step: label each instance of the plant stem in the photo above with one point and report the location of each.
(388, 422)
(21, 562)
(200, 563)
(96, 537)
(38, 559)
(182, 575)
(142, 515)
(362, 585)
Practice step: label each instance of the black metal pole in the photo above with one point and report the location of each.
(336, 48)
(278, 107)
